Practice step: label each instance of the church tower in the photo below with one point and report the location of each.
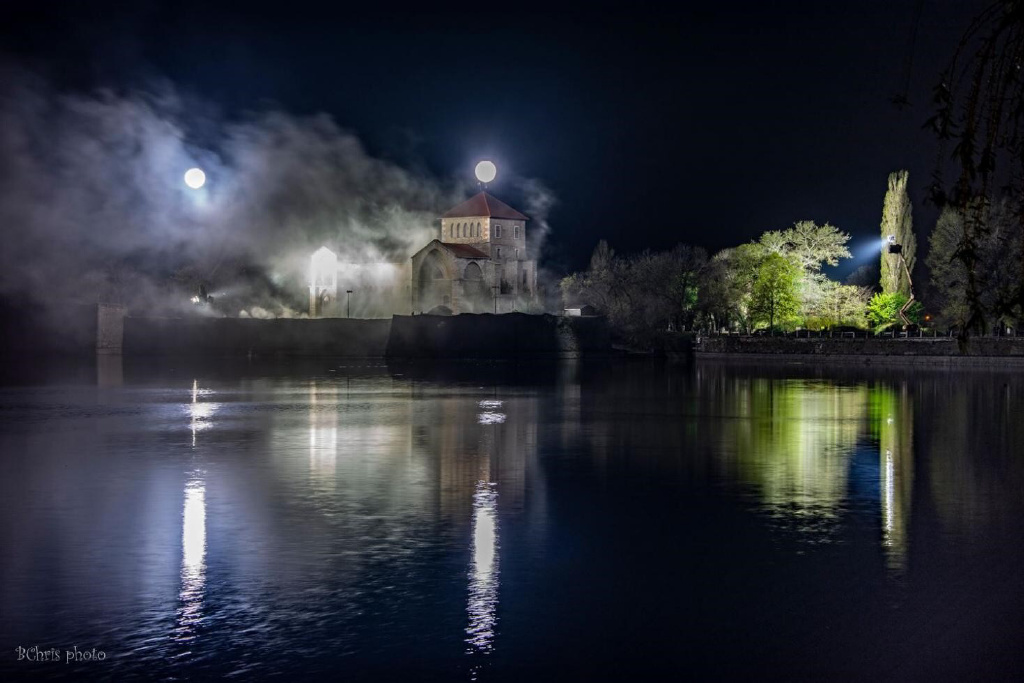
(479, 264)
(489, 224)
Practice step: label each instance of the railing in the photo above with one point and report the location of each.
(859, 334)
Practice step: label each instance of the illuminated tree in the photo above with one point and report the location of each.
(726, 286)
(810, 247)
(773, 299)
(884, 310)
(839, 305)
(808, 244)
(898, 222)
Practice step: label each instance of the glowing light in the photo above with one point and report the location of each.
(193, 533)
(890, 494)
(483, 577)
(199, 413)
(195, 178)
(486, 171)
(193, 558)
(491, 414)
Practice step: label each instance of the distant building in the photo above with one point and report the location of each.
(585, 310)
(480, 262)
(379, 289)
(479, 265)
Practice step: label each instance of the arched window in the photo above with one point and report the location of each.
(477, 229)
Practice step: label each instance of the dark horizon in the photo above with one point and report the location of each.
(649, 128)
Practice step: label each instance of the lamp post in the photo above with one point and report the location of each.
(349, 292)
(495, 288)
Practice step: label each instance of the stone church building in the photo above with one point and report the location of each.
(479, 265)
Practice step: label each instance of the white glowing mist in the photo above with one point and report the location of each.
(95, 207)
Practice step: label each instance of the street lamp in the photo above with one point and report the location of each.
(495, 288)
(349, 292)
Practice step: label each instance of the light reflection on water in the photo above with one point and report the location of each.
(193, 559)
(347, 509)
(483, 575)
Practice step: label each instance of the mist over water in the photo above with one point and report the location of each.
(94, 207)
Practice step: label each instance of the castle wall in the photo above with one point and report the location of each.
(222, 337)
(516, 335)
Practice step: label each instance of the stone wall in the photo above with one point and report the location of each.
(30, 329)
(873, 349)
(104, 329)
(242, 337)
(513, 335)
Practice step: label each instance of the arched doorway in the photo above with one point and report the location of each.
(475, 290)
(433, 286)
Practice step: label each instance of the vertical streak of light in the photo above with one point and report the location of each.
(195, 396)
(193, 558)
(890, 494)
(483, 575)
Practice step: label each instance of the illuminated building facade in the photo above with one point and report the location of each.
(480, 264)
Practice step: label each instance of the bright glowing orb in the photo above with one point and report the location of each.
(195, 178)
(485, 171)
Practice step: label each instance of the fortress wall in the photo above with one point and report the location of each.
(90, 329)
(245, 336)
(485, 335)
(54, 330)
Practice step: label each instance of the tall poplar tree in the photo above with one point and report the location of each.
(896, 220)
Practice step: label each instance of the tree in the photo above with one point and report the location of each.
(884, 310)
(897, 222)
(726, 285)
(948, 273)
(997, 269)
(810, 247)
(979, 110)
(641, 294)
(808, 244)
(839, 305)
(773, 299)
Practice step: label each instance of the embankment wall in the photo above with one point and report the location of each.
(925, 351)
(245, 336)
(484, 335)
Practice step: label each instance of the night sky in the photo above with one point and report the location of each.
(651, 128)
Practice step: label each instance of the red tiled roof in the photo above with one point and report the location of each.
(483, 204)
(464, 250)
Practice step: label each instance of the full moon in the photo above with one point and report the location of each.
(195, 178)
(485, 171)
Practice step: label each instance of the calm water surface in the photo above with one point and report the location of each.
(479, 522)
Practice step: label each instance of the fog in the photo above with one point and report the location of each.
(94, 207)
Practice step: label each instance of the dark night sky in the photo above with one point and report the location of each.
(651, 126)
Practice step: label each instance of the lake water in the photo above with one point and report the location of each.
(488, 522)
